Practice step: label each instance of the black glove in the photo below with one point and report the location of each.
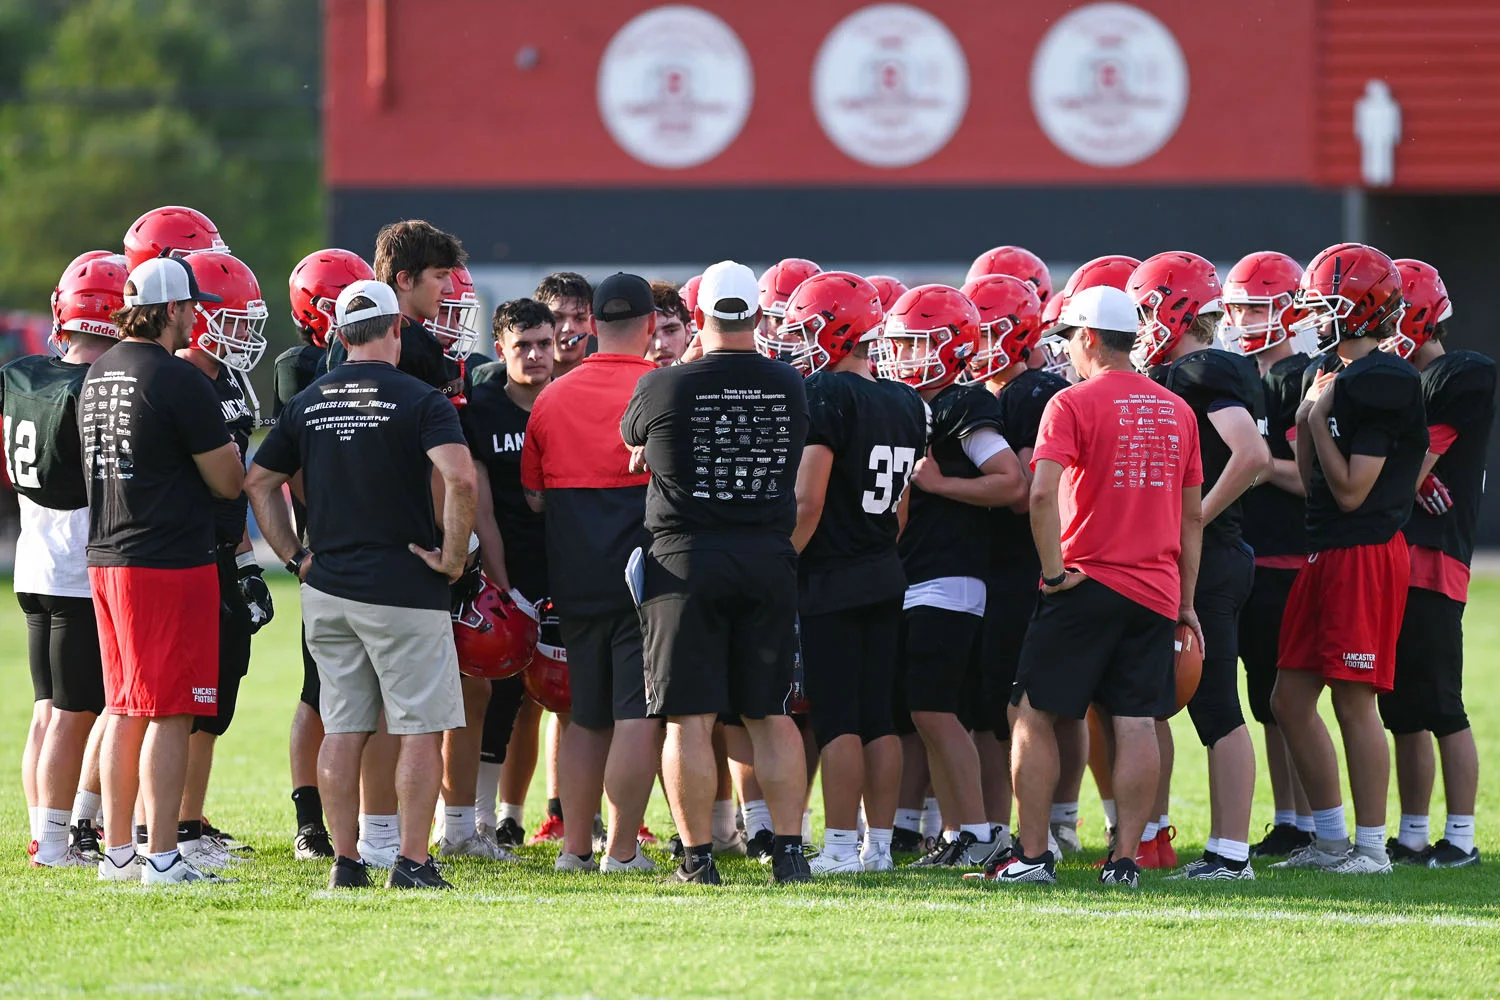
(467, 587)
(257, 597)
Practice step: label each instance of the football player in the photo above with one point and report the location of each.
(1179, 300)
(864, 438)
(777, 284)
(1259, 315)
(930, 334)
(1113, 270)
(171, 229)
(1361, 443)
(571, 299)
(1018, 262)
(1458, 391)
(673, 325)
(39, 397)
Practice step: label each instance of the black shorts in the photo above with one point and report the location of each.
(500, 718)
(1091, 644)
(1259, 633)
(62, 640)
(311, 686)
(939, 659)
(1429, 691)
(234, 650)
(1010, 601)
(1225, 576)
(849, 660)
(605, 668)
(720, 631)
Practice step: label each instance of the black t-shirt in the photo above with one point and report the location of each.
(485, 371)
(496, 429)
(1211, 380)
(946, 537)
(1377, 410)
(39, 395)
(421, 357)
(723, 438)
(1274, 522)
(229, 515)
(1012, 549)
(294, 370)
(877, 430)
(144, 415)
(1458, 389)
(360, 436)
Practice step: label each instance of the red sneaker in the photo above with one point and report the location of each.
(1166, 856)
(1146, 856)
(645, 836)
(550, 831)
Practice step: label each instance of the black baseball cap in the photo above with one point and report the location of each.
(631, 289)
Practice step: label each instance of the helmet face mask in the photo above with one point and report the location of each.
(991, 358)
(1255, 322)
(797, 345)
(235, 337)
(1055, 358)
(914, 357)
(456, 325)
(1153, 340)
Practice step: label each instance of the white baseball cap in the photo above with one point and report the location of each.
(377, 292)
(164, 279)
(729, 291)
(1102, 307)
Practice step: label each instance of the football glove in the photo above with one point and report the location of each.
(1434, 497)
(257, 597)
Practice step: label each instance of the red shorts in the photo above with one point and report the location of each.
(159, 639)
(1344, 614)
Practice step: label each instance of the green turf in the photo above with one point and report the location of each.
(525, 931)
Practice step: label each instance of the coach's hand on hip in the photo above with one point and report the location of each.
(452, 567)
(1071, 578)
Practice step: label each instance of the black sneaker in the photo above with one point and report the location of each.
(761, 846)
(1400, 854)
(509, 833)
(1444, 855)
(85, 839)
(1122, 872)
(349, 873)
(705, 874)
(675, 847)
(904, 841)
(408, 874)
(949, 854)
(312, 843)
(1213, 868)
(1280, 841)
(791, 866)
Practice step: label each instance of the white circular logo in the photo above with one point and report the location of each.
(675, 87)
(890, 85)
(1109, 84)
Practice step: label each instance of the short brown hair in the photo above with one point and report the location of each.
(1205, 325)
(669, 300)
(413, 246)
(564, 285)
(521, 314)
(146, 322)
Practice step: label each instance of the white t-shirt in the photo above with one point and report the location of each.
(52, 551)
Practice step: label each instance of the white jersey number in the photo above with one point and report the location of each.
(892, 468)
(22, 452)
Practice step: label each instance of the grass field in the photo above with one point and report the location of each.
(523, 931)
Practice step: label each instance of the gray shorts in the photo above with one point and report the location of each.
(373, 658)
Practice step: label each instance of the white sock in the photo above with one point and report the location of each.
(1065, 812)
(1304, 822)
(981, 831)
(724, 828)
(757, 817)
(807, 826)
(509, 810)
(86, 806)
(52, 837)
(1233, 850)
(1413, 831)
(1460, 832)
(1212, 847)
(877, 842)
(166, 859)
(380, 831)
(1164, 822)
(840, 844)
(1150, 832)
(859, 822)
(1370, 839)
(1284, 817)
(1328, 824)
(932, 818)
(34, 813)
(120, 856)
(458, 823)
(909, 819)
(1111, 814)
(487, 794)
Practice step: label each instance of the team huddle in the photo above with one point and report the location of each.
(944, 544)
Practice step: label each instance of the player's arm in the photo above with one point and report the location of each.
(1023, 457)
(1248, 458)
(1191, 540)
(491, 543)
(1046, 518)
(999, 484)
(812, 492)
(903, 512)
(222, 470)
(456, 467)
(1303, 446)
(272, 514)
(1283, 474)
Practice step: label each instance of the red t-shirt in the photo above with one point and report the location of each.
(573, 435)
(1128, 447)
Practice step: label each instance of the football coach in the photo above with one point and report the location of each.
(366, 437)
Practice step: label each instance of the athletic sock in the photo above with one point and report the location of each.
(1413, 831)
(877, 842)
(1460, 832)
(510, 810)
(697, 857)
(757, 817)
(840, 844)
(1212, 847)
(1329, 824)
(33, 814)
(1305, 823)
(140, 835)
(189, 831)
(554, 808)
(1370, 840)
(1111, 814)
(932, 818)
(120, 856)
(1236, 851)
(807, 826)
(52, 835)
(1149, 833)
(1284, 817)
(1065, 812)
(380, 830)
(1164, 822)
(487, 794)
(781, 845)
(166, 859)
(309, 805)
(981, 831)
(458, 823)
(86, 806)
(909, 819)
(724, 827)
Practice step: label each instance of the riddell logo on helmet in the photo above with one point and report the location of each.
(96, 327)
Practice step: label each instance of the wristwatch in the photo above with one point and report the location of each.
(1053, 581)
(294, 564)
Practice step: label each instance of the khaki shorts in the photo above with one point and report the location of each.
(373, 658)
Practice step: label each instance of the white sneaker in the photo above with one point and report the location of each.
(1052, 844)
(477, 846)
(639, 863)
(181, 870)
(378, 857)
(130, 871)
(206, 854)
(1325, 855)
(982, 852)
(1065, 835)
(1360, 863)
(72, 857)
(827, 864)
(734, 845)
(878, 861)
(573, 863)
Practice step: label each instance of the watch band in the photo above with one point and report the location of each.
(1052, 581)
(294, 564)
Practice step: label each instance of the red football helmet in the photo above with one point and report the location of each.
(1010, 318)
(780, 281)
(233, 331)
(1018, 262)
(315, 285)
(1264, 278)
(689, 295)
(92, 287)
(1171, 290)
(494, 635)
(1427, 305)
(1349, 290)
(1111, 269)
(456, 326)
(825, 317)
(941, 327)
(890, 289)
(546, 680)
(174, 229)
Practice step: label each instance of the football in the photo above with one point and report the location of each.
(1187, 662)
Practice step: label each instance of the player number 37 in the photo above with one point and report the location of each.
(892, 468)
(22, 452)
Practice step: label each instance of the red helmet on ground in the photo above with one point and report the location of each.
(494, 635)
(1171, 290)
(1349, 290)
(780, 281)
(825, 317)
(233, 331)
(1264, 278)
(174, 229)
(1018, 262)
(1010, 323)
(546, 680)
(92, 287)
(1427, 305)
(942, 327)
(315, 285)
(689, 294)
(456, 325)
(890, 289)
